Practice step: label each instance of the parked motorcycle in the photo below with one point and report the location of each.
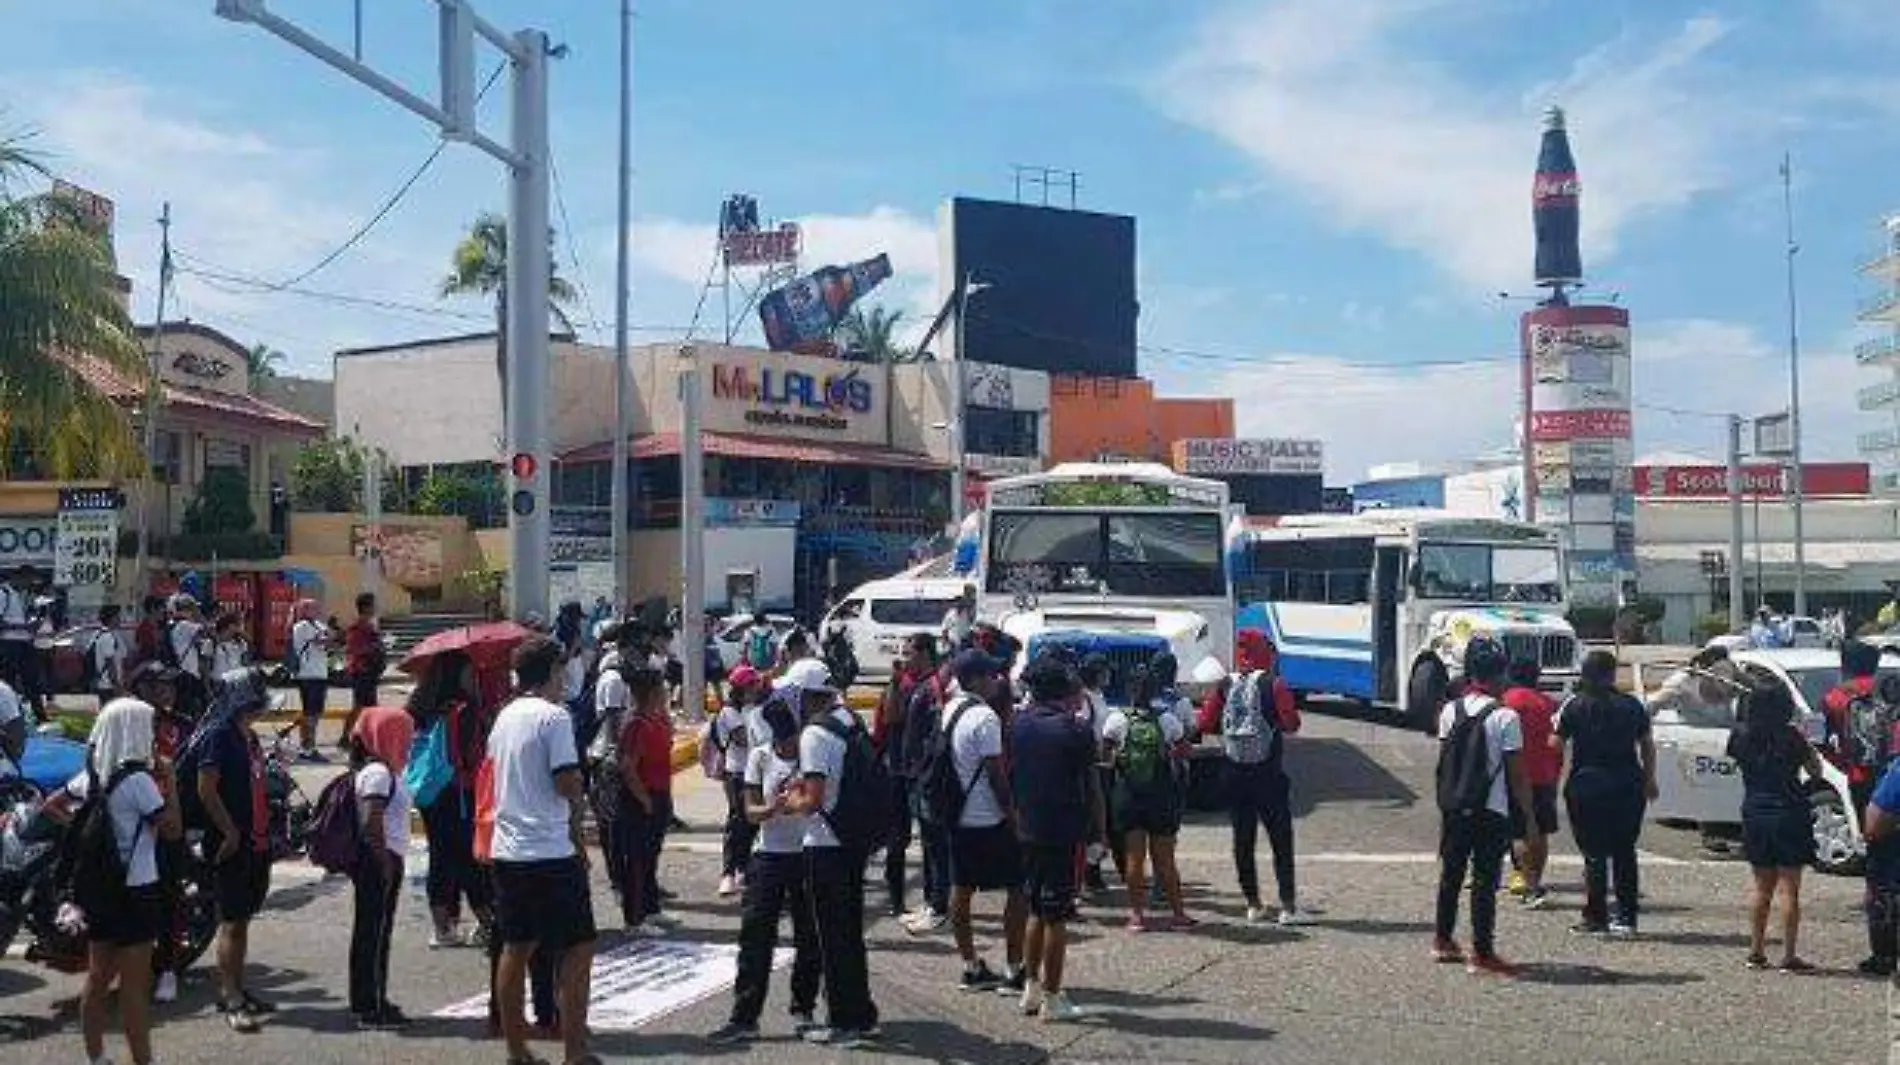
(290, 809)
(31, 894)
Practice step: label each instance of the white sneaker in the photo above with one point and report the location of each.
(728, 886)
(441, 940)
(1057, 1009)
(649, 930)
(1256, 914)
(1032, 998)
(926, 922)
(166, 990)
(1294, 917)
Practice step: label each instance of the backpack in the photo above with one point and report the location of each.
(761, 647)
(430, 769)
(1464, 761)
(89, 672)
(944, 792)
(191, 755)
(1868, 739)
(93, 868)
(485, 812)
(1142, 758)
(1249, 735)
(861, 819)
(336, 827)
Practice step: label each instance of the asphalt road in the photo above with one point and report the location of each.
(1357, 987)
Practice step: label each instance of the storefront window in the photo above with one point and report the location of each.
(993, 431)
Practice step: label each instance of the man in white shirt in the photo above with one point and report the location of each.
(984, 853)
(1477, 839)
(834, 872)
(108, 655)
(310, 657)
(542, 899)
(959, 621)
(187, 637)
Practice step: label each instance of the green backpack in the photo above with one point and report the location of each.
(1143, 757)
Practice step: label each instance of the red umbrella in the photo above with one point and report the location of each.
(488, 645)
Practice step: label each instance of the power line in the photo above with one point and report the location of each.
(573, 256)
(389, 204)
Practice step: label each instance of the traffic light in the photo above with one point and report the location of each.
(523, 466)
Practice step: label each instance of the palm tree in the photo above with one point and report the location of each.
(58, 311)
(873, 334)
(479, 267)
(262, 362)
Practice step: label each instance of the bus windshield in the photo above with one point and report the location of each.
(1488, 573)
(1132, 554)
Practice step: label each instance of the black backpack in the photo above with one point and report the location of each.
(861, 819)
(167, 647)
(1464, 762)
(92, 869)
(944, 791)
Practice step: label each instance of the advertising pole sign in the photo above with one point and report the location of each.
(804, 312)
(86, 549)
(1576, 377)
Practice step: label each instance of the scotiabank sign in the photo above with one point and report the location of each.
(1758, 479)
(812, 398)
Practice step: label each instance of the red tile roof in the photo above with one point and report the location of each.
(201, 401)
(738, 446)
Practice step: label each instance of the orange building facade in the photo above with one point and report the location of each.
(1091, 418)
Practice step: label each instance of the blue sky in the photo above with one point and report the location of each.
(1330, 193)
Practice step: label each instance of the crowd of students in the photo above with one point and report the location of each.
(1021, 789)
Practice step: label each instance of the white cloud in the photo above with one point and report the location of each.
(1323, 96)
(1368, 413)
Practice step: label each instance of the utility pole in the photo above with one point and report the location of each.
(1795, 487)
(958, 384)
(692, 540)
(529, 256)
(154, 398)
(623, 388)
(1735, 591)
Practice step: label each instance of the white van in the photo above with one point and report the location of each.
(879, 616)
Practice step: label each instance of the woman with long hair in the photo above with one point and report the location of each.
(1777, 822)
(122, 773)
(1146, 801)
(449, 697)
(379, 749)
(1612, 780)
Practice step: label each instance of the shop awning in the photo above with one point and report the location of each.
(732, 445)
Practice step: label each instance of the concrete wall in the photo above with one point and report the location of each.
(417, 547)
(920, 395)
(1673, 522)
(440, 403)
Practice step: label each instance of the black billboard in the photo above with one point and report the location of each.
(1280, 494)
(1061, 287)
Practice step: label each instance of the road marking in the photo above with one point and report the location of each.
(640, 981)
(693, 846)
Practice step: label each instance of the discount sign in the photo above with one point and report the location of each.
(87, 547)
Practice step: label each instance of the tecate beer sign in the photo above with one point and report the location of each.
(1273, 456)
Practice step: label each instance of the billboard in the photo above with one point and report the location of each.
(1765, 479)
(1266, 455)
(1576, 397)
(796, 396)
(1060, 295)
(804, 312)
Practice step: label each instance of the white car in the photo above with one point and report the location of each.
(877, 617)
(1807, 633)
(1697, 782)
(729, 636)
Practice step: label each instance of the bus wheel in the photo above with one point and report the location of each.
(1425, 695)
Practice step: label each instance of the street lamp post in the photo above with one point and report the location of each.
(529, 256)
(967, 286)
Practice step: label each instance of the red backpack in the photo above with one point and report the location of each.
(485, 811)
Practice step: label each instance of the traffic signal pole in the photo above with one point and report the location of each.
(529, 252)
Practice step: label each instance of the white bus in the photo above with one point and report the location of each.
(1378, 606)
(1120, 559)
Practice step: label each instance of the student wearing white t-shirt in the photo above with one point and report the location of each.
(732, 735)
(1477, 840)
(107, 653)
(984, 854)
(542, 897)
(379, 748)
(120, 938)
(774, 883)
(310, 658)
(190, 649)
(12, 727)
(1094, 674)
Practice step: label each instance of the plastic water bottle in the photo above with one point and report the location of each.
(417, 871)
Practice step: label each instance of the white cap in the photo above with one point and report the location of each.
(805, 676)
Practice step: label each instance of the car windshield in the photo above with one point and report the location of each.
(1486, 574)
(925, 612)
(1136, 554)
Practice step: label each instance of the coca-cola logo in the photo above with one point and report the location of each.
(1556, 187)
